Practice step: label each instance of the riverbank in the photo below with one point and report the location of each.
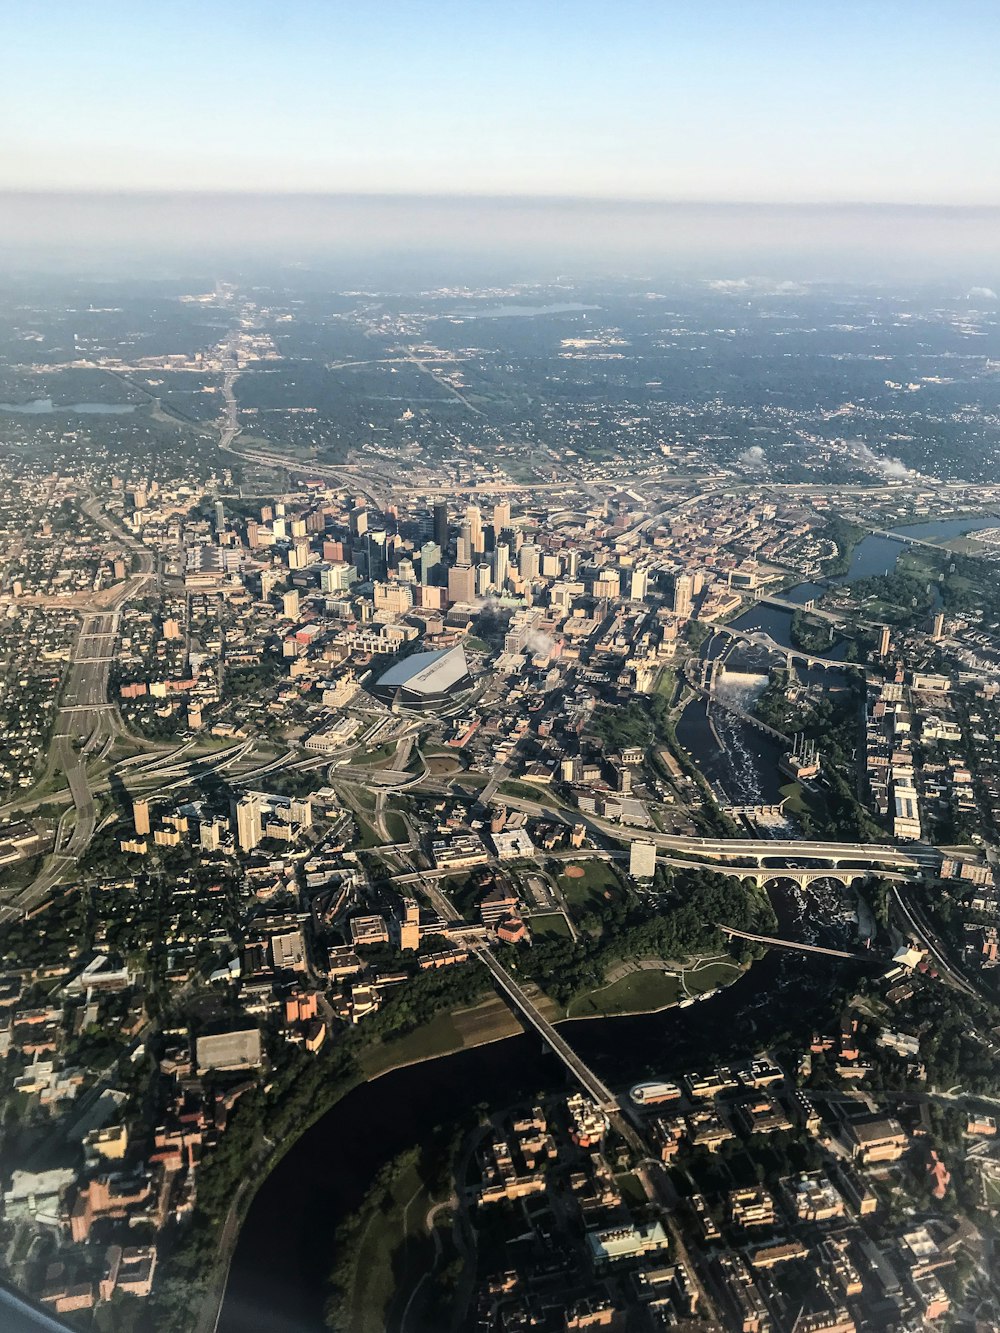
(463, 1031)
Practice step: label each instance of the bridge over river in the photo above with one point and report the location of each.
(584, 1075)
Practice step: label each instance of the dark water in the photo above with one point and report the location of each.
(285, 1251)
(778, 624)
(878, 555)
(745, 770)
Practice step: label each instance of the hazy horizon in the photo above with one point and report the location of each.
(793, 242)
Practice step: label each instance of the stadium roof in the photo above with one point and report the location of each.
(427, 673)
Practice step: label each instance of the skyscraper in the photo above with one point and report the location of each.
(441, 524)
(501, 565)
(430, 562)
(248, 823)
(638, 584)
(527, 561)
(501, 518)
(682, 595)
(474, 518)
(461, 584)
(140, 817)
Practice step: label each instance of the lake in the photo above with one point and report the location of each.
(46, 407)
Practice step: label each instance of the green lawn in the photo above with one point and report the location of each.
(397, 827)
(550, 923)
(389, 1249)
(368, 836)
(638, 992)
(711, 975)
(380, 755)
(667, 683)
(528, 791)
(597, 882)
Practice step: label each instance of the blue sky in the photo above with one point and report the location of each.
(764, 100)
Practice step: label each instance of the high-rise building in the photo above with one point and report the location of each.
(501, 565)
(682, 595)
(441, 524)
(461, 584)
(359, 521)
(938, 632)
(501, 518)
(638, 585)
(484, 579)
(377, 555)
(430, 562)
(253, 534)
(220, 516)
(409, 926)
(884, 642)
(140, 817)
(474, 518)
(268, 578)
(290, 604)
(642, 860)
(463, 550)
(527, 561)
(248, 824)
(337, 577)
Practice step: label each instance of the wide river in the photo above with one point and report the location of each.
(285, 1250)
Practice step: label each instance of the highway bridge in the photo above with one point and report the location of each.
(797, 945)
(584, 1075)
(760, 850)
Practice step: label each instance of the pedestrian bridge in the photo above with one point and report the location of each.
(598, 1091)
(798, 945)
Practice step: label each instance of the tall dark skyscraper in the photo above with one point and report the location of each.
(441, 524)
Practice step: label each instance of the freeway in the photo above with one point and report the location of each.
(920, 928)
(86, 720)
(760, 849)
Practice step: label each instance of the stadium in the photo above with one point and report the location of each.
(425, 682)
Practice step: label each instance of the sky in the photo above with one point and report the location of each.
(775, 101)
(736, 130)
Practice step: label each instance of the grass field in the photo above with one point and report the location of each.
(550, 923)
(376, 757)
(489, 1021)
(639, 992)
(397, 826)
(709, 976)
(592, 887)
(392, 1253)
(528, 791)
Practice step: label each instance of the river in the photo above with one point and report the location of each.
(745, 768)
(285, 1251)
